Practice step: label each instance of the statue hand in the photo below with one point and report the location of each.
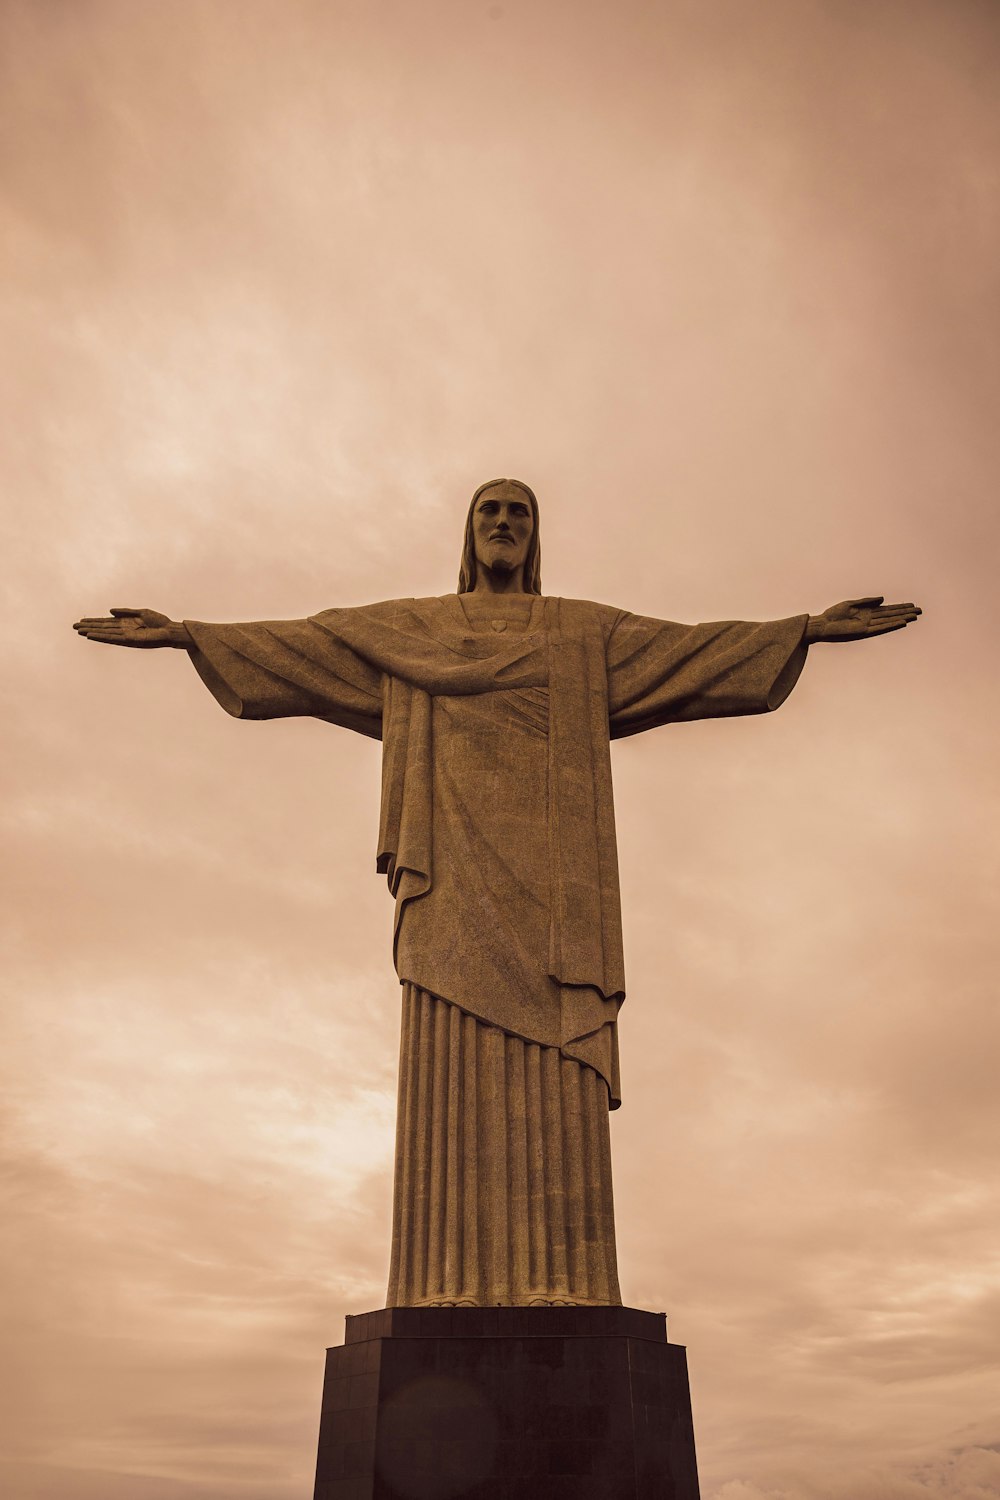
(857, 619)
(145, 628)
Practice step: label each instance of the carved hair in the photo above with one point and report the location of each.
(533, 560)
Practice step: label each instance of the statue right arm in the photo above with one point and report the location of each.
(143, 628)
(263, 669)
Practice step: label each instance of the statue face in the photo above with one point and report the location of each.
(502, 524)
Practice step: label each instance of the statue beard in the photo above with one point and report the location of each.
(502, 566)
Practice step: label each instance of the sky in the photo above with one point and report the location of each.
(283, 282)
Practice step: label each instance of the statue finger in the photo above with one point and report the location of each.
(868, 602)
(119, 612)
(103, 620)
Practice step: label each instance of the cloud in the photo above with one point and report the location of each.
(972, 1474)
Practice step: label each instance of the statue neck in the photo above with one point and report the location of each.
(484, 611)
(490, 582)
(481, 602)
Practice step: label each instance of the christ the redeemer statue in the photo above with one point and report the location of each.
(495, 707)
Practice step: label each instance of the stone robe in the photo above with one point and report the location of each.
(497, 838)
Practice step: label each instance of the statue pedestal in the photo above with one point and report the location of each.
(506, 1403)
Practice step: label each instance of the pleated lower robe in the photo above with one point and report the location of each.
(502, 1190)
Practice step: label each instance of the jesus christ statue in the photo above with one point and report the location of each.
(495, 706)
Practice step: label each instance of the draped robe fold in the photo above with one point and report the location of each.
(498, 842)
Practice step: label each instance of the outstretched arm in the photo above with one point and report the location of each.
(857, 619)
(145, 628)
(661, 673)
(264, 669)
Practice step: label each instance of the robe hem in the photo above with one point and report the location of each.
(521, 1036)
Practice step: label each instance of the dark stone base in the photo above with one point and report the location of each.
(506, 1403)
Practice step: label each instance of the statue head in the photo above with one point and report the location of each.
(501, 532)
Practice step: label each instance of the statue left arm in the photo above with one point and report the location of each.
(857, 619)
(660, 672)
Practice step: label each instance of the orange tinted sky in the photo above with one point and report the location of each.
(284, 282)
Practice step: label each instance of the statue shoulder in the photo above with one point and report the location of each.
(587, 614)
(383, 610)
(443, 611)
